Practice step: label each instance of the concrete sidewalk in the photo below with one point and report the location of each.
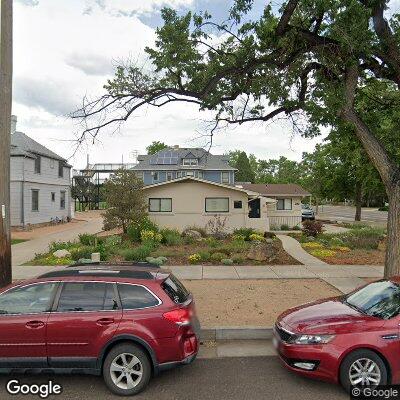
(344, 277)
(25, 251)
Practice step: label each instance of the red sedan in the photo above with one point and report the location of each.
(352, 340)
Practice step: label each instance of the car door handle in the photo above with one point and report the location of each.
(34, 324)
(105, 321)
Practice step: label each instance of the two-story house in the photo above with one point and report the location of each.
(40, 182)
(176, 162)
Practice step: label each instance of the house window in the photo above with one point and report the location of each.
(160, 205)
(155, 176)
(217, 204)
(35, 200)
(284, 204)
(179, 174)
(169, 176)
(190, 161)
(38, 160)
(200, 175)
(190, 173)
(61, 169)
(224, 177)
(237, 204)
(53, 197)
(62, 200)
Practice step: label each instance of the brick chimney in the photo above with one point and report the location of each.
(13, 124)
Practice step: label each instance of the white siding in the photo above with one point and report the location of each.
(48, 181)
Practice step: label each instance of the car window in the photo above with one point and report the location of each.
(87, 296)
(28, 299)
(134, 297)
(175, 289)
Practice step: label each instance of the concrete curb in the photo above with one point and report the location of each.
(236, 333)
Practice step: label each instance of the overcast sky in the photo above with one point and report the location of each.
(64, 50)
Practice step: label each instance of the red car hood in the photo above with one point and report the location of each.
(330, 316)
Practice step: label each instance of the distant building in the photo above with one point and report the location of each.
(40, 182)
(177, 162)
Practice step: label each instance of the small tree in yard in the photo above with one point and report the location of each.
(125, 200)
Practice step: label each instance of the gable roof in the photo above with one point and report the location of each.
(23, 145)
(231, 187)
(276, 189)
(207, 161)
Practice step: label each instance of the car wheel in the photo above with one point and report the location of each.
(126, 369)
(363, 368)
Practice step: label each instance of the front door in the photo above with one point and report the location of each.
(24, 312)
(254, 208)
(86, 317)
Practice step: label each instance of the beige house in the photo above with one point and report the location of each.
(190, 201)
(286, 210)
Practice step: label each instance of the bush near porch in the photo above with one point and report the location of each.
(146, 242)
(362, 244)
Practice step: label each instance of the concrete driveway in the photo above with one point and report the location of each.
(252, 378)
(25, 251)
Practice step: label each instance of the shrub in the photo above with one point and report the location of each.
(238, 259)
(217, 227)
(312, 228)
(156, 260)
(144, 225)
(269, 235)
(150, 236)
(87, 239)
(296, 228)
(255, 237)
(217, 256)
(323, 253)
(171, 237)
(343, 249)
(205, 255)
(227, 261)
(238, 238)
(112, 241)
(194, 258)
(246, 232)
(82, 252)
(312, 245)
(189, 240)
(212, 242)
(138, 253)
(284, 227)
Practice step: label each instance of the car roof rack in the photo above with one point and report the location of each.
(123, 273)
(140, 264)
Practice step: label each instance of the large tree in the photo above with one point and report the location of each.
(310, 62)
(239, 160)
(155, 147)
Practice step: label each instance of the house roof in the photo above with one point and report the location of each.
(249, 192)
(23, 145)
(276, 189)
(170, 159)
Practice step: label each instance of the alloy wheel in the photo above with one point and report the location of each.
(126, 371)
(365, 372)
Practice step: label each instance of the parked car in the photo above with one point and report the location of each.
(352, 340)
(307, 213)
(126, 323)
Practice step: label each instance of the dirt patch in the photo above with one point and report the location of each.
(253, 302)
(357, 257)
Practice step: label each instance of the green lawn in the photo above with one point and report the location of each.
(16, 241)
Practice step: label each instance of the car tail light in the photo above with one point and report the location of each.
(180, 316)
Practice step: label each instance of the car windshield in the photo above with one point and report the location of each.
(379, 299)
(305, 207)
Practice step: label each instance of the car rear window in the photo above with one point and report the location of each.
(175, 289)
(134, 297)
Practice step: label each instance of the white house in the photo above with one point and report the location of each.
(40, 182)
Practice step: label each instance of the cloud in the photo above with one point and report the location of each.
(91, 64)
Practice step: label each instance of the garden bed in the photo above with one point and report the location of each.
(361, 245)
(168, 247)
(252, 302)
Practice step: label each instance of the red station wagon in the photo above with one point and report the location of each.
(127, 323)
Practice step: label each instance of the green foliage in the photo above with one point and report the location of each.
(312, 228)
(125, 199)
(156, 260)
(238, 259)
(155, 147)
(285, 227)
(136, 228)
(171, 237)
(227, 261)
(54, 246)
(82, 252)
(194, 258)
(150, 236)
(139, 253)
(205, 255)
(212, 242)
(87, 239)
(239, 160)
(245, 232)
(217, 256)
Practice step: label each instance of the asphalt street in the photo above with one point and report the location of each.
(347, 213)
(252, 378)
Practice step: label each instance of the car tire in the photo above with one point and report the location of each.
(360, 356)
(126, 369)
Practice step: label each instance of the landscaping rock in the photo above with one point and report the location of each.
(261, 251)
(192, 234)
(61, 253)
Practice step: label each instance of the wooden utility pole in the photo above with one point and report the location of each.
(5, 137)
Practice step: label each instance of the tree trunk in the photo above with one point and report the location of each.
(358, 200)
(392, 262)
(387, 168)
